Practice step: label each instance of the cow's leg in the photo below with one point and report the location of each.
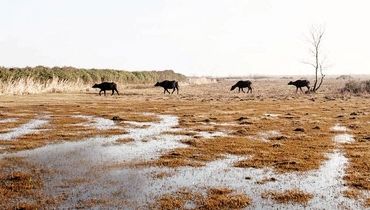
(164, 91)
(239, 89)
(168, 91)
(296, 91)
(100, 92)
(243, 90)
(173, 90)
(116, 91)
(177, 88)
(301, 89)
(105, 93)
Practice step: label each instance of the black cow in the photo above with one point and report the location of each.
(168, 85)
(299, 84)
(242, 84)
(106, 86)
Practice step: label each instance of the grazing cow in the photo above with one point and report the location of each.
(299, 84)
(242, 84)
(168, 85)
(106, 86)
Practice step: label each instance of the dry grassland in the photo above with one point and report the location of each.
(302, 122)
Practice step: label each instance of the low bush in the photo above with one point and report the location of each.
(356, 87)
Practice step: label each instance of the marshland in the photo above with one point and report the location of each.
(186, 104)
(207, 147)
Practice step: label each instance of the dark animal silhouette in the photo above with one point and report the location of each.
(104, 86)
(299, 84)
(242, 84)
(168, 85)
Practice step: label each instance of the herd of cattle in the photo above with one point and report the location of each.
(174, 85)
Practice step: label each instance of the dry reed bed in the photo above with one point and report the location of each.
(40, 79)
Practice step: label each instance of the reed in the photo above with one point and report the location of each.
(40, 79)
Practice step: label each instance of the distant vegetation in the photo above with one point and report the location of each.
(357, 87)
(345, 77)
(45, 74)
(58, 79)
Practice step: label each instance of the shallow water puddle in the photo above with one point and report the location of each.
(7, 120)
(220, 124)
(97, 122)
(268, 135)
(76, 160)
(147, 143)
(84, 161)
(325, 183)
(339, 128)
(270, 116)
(207, 135)
(24, 129)
(343, 137)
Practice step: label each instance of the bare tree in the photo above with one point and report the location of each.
(317, 59)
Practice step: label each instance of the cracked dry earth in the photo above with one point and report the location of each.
(65, 151)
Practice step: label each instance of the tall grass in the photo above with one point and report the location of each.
(41, 79)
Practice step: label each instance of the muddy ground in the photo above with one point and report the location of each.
(206, 148)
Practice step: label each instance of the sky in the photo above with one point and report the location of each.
(193, 37)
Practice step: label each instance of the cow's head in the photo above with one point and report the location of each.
(156, 84)
(95, 86)
(290, 83)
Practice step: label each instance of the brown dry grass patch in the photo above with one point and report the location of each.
(298, 156)
(215, 198)
(264, 180)
(224, 199)
(358, 171)
(124, 140)
(90, 203)
(288, 196)
(161, 175)
(367, 202)
(351, 193)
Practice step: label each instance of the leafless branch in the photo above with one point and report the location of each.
(316, 37)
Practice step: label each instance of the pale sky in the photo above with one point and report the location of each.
(193, 37)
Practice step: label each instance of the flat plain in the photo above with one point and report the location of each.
(206, 148)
